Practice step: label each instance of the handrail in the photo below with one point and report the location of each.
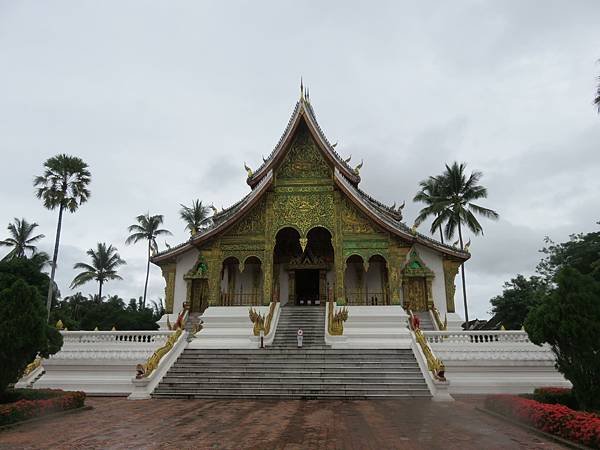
(37, 362)
(434, 364)
(335, 320)
(144, 370)
(261, 322)
(442, 326)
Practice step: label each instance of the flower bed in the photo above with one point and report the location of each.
(36, 403)
(580, 427)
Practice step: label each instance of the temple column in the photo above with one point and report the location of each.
(169, 272)
(338, 251)
(214, 263)
(268, 252)
(451, 267)
(396, 261)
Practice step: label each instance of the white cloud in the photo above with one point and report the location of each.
(166, 103)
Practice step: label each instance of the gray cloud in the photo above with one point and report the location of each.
(166, 102)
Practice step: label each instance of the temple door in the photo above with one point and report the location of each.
(416, 293)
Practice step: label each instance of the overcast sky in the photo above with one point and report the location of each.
(166, 100)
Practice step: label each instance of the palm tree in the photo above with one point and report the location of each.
(146, 228)
(597, 99)
(105, 261)
(195, 216)
(21, 239)
(40, 259)
(64, 185)
(429, 194)
(454, 208)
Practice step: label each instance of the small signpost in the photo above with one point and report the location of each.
(299, 336)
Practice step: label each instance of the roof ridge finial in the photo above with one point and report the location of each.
(301, 89)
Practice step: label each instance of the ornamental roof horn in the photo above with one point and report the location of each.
(357, 168)
(248, 169)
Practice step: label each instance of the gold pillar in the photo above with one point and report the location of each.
(269, 248)
(169, 272)
(395, 263)
(450, 270)
(214, 275)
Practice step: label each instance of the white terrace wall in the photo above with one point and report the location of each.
(184, 263)
(99, 362)
(433, 261)
(490, 362)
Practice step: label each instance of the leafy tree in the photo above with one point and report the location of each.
(41, 260)
(105, 261)
(195, 216)
(78, 312)
(519, 296)
(147, 228)
(23, 269)
(63, 185)
(569, 321)
(454, 207)
(581, 252)
(21, 238)
(429, 193)
(23, 322)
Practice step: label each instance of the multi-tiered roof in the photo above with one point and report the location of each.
(346, 179)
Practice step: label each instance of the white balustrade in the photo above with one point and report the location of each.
(115, 337)
(476, 337)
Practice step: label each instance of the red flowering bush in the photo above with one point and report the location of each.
(41, 403)
(576, 426)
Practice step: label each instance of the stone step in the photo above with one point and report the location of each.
(286, 396)
(187, 381)
(301, 391)
(326, 351)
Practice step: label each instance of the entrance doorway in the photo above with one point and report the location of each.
(307, 286)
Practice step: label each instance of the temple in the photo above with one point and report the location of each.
(305, 234)
(305, 288)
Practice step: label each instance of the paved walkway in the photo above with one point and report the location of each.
(291, 424)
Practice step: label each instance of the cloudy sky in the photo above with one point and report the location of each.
(166, 100)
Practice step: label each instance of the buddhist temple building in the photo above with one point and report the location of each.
(305, 234)
(306, 288)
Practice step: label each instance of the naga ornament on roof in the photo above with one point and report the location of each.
(357, 168)
(248, 169)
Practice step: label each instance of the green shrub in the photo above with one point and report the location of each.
(569, 321)
(555, 396)
(29, 407)
(24, 332)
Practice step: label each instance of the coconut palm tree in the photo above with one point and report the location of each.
(429, 194)
(195, 216)
(21, 239)
(41, 260)
(104, 263)
(455, 208)
(63, 185)
(146, 228)
(597, 99)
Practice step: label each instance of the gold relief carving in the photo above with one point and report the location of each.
(168, 273)
(303, 211)
(252, 223)
(304, 160)
(450, 270)
(355, 222)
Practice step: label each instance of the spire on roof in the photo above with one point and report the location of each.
(301, 89)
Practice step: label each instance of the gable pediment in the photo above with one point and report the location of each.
(303, 160)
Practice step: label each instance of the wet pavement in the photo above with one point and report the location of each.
(287, 424)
